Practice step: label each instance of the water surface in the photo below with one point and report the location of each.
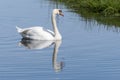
(88, 51)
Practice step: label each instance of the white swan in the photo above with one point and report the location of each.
(39, 33)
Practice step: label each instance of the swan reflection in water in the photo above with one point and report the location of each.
(38, 44)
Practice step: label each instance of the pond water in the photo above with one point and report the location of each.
(88, 51)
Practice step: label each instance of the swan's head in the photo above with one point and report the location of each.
(58, 11)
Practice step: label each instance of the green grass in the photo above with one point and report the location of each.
(103, 7)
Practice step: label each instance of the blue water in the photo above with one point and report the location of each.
(88, 51)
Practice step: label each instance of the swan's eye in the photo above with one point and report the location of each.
(60, 11)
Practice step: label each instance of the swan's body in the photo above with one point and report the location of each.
(39, 33)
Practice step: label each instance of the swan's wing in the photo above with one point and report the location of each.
(42, 30)
(37, 33)
(51, 32)
(27, 33)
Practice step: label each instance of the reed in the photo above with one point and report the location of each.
(104, 7)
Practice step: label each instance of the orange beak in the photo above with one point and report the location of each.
(61, 14)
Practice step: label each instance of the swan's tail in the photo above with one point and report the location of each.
(18, 29)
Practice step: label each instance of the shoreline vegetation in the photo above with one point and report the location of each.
(102, 7)
(105, 12)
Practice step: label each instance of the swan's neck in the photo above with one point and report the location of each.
(55, 28)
